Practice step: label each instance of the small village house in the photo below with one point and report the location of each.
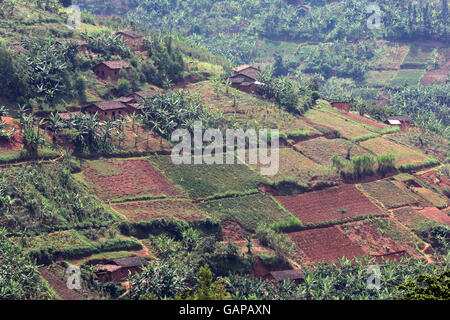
(133, 39)
(109, 109)
(117, 270)
(341, 106)
(245, 78)
(295, 275)
(404, 122)
(111, 69)
(81, 45)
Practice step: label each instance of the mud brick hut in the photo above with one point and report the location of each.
(109, 109)
(81, 45)
(295, 275)
(341, 105)
(133, 39)
(245, 78)
(110, 69)
(117, 270)
(404, 122)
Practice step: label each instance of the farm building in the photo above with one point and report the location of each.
(245, 78)
(404, 122)
(117, 270)
(341, 105)
(133, 39)
(140, 96)
(81, 45)
(295, 275)
(110, 69)
(109, 109)
(17, 49)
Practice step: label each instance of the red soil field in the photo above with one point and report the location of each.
(147, 210)
(135, 178)
(325, 205)
(433, 179)
(364, 120)
(436, 214)
(325, 244)
(16, 143)
(367, 236)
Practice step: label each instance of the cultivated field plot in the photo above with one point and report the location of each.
(403, 155)
(417, 57)
(412, 219)
(408, 77)
(346, 127)
(249, 109)
(122, 178)
(439, 75)
(165, 208)
(321, 150)
(390, 57)
(334, 203)
(294, 165)
(327, 244)
(139, 139)
(58, 240)
(432, 197)
(373, 237)
(436, 215)
(201, 180)
(388, 194)
(249, 211)
(379, 78)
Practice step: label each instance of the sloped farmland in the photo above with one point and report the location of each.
(388, 194)
(164, 208)
(336, 203)
(118, 179)
(327, 244)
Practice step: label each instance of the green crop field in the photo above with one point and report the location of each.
(408, 77)
(346, 127)
(293, 165)
(201, 181)
(249, 211)
(390, 56)
(57, 240)
(417, 57)
(403, 155)
(388, 194)
(379, 78)
(321, 150)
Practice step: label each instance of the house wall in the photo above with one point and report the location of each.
(344, 106)
(133, 43)
(114, 114)
(105, 73)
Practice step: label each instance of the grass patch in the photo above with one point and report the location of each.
(202, 181)
(250, 210)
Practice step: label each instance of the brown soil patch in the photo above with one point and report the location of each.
(59, 285)
(327, 244)
(325, 205)
(17, 141)
(135, 178)
(434, 179)
(147, 210)
(370, 240)
(436, 215)
(233, 231)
